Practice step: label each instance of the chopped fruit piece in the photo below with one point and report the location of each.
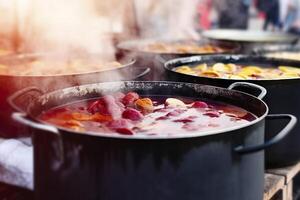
(145, 105)
(117, 124)
(211, 74)
(201, 67)
(199, 104)
(212, 114)
(101, 118)
(172, 102)
(124, 131)
(132, 114)
(130, 98)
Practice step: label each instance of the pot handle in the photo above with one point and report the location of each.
(284, 132)
(263, 91)
(12, 99)
(141, 72)
(22, 119)
(59, 150)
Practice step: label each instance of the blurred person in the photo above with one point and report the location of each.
(292, 19)
(271, 10)
(233, 14)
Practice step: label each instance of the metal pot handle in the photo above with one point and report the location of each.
(143, 72)
(263, 91)
(284, 132)
(22, 118)
(11, 99)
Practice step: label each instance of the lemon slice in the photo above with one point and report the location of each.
(252, 69)
(201, 67)
(290, 75)
(211, 74)
(289, 69)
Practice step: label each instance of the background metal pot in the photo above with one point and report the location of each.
(250, 40)
(70, 165)
(10, 84)
(155, 60)
(283, 96)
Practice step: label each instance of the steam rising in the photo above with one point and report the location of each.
(68, 26)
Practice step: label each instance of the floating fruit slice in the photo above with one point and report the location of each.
(199, 104)
(201, 67)
(132, 114)
(211, 74)
(225, 68)
(289, 75)
(232, 67)
(252, 69)
(130, 98)
(145, 105)
(289, 69)
(172, 102)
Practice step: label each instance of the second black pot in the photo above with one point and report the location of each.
(283, 96)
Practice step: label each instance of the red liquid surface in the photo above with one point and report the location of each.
(123, 115)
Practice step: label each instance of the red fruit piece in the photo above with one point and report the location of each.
(199, 104)
(212, 114)
(119, 124)
(124, 131)
(175, 113)
(107, 105)
(130, 98)
(132, 114)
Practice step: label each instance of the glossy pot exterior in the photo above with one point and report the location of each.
(283, 97)
(112, 169)
(69, 165)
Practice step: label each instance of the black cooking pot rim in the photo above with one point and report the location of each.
(193, 59)
(129, 61)
(141, 137)
(132, 45)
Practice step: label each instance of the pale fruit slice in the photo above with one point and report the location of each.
(289, 69)
(172, 102)
(211, 74)
(201, 67)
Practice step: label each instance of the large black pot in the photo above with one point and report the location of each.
(155, 60)
(283, 96)
(10, 84)
(227, 164)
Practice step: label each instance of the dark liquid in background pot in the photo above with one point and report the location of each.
(161, 121)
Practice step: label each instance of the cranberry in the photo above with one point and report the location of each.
(130, 98)
(132, 114)
(199, 104)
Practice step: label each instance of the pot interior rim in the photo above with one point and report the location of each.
(157, 137)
